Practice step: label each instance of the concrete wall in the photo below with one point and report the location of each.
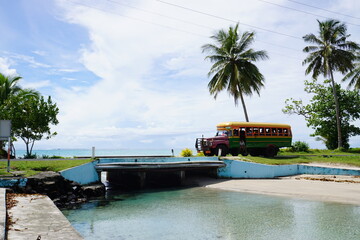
(162, 159)
(83, 174)
(242, 169)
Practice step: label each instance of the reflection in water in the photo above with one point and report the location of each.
(201, 213)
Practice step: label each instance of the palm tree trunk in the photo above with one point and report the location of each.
(337, 109)
(244, 107)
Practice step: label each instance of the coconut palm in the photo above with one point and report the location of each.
(234, 68)
(354, 75)
(331, 52)
(8, 86)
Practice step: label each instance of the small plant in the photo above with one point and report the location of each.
(30, 156)
(300, 146)
(200, 154)
(186, 152)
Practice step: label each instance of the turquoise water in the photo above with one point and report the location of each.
(202, 213)
(99, 152)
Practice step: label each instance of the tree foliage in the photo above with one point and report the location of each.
(330, 52)
(320, 113)
(30, 113)
(234, 68)
(354, 75)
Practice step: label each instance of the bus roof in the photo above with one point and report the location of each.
(251, 124)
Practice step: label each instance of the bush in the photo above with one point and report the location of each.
(30, 156)
(186, 152)
(200, 154)
(300, 146)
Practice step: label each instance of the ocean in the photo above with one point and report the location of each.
(100, 152)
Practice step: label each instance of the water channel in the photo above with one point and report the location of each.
(203, 213)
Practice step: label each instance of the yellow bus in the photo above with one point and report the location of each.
(246, 137)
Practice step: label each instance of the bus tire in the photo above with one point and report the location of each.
(271, 151)
(254, 152)
(224, 150)
(234, 152)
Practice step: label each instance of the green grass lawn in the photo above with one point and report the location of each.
(296, 159)
(33, 167)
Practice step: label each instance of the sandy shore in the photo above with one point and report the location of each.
(340, 189)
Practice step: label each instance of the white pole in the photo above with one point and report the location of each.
(93, 152)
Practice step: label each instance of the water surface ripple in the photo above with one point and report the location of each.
(201, 213)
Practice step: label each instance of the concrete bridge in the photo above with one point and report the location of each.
(141, 170)
(139, 174)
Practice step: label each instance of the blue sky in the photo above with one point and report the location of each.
(131, 74)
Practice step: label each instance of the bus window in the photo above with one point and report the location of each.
(280, 131)
(256, 131)
(267, 132)
(286, 132)
(236, 132)
(273, 132)
(249, 131)
(261, 131)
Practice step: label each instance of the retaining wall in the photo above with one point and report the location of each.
(242, 169)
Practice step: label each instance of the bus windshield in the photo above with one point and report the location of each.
(223, 133)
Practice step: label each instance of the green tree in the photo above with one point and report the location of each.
(331, 52)
(9, 87)
(31, 117)
(320, 112)
(354, 75)
(234, 68)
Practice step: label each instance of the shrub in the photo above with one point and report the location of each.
(300, 146)
(200, 154)
(30, 156)
(186, 152)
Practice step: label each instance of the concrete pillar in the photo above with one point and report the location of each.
(180, 176)
(141, 179)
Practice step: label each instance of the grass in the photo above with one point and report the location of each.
(284, 159)
(351, 151)
(33, 167)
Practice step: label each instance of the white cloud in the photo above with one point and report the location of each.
(35, 85)
(153, 79)
(5, 69)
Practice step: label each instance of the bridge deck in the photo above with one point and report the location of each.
(142, 166)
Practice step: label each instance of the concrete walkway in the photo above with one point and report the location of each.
(2, 213)
(37, 217)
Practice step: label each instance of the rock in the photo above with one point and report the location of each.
(63, 192)
(94, 190)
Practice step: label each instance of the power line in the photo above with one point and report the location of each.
(191, 23)
(168, 27)
(158, 14)
(323, 9)
(298, 10)
(229, 20)
(137, 19)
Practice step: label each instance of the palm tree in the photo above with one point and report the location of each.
(8, 86)
(354, 75)
(233, 67)
(331, 52)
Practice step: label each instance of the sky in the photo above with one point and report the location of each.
(131, 74)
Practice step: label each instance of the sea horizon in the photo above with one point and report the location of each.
(84, 152)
